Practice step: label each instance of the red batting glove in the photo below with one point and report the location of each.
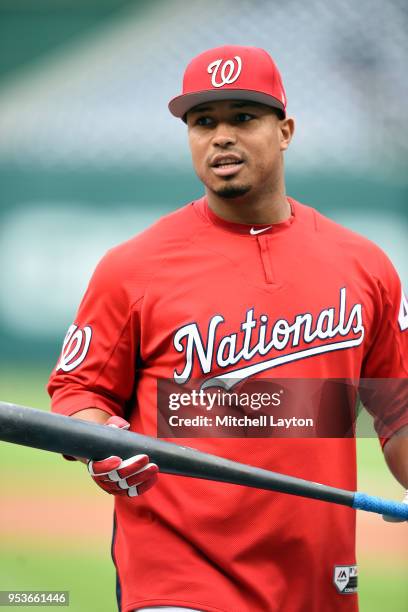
(131, 477)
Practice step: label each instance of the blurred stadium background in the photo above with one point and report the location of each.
(89, 155)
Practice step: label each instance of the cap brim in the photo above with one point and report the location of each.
(180, 105)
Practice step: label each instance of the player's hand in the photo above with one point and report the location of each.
(131, 477)
(392, 519)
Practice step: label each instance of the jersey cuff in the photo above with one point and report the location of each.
(67, 403)
(395, 428)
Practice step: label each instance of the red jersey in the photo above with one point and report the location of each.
(174, 302)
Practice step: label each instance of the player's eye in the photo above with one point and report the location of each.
(204, 121)
(243, 117)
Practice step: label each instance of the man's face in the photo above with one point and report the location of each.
(237, 146)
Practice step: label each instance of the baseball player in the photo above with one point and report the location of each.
(247, 282)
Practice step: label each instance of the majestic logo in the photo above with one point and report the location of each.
(75, 348)
(337, 328)
(229, 71)
(345, 578)
(254, 231)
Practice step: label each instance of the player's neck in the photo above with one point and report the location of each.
(263, 210)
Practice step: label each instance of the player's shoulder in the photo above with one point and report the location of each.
(163, 235)
(333, 235)
(141, 254)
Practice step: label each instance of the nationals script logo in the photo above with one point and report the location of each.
(75, 348)
(337, 328)
(228, 73)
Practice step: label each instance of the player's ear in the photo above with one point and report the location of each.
(286, 131)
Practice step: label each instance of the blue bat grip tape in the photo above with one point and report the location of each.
(362, 501)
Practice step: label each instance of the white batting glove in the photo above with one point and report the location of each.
(392, 519)
(131, 477)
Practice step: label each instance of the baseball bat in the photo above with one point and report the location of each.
(70, 436)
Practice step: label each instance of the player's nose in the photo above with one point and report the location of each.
(224, 135)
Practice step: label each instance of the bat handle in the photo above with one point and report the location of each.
(370, 503)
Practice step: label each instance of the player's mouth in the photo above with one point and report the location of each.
(226, 165)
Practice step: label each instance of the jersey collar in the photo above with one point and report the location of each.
(242, 228)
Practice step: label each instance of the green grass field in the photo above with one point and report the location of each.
(34, 555)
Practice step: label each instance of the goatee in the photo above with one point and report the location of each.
(232, 191)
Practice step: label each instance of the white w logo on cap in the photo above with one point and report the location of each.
(229, 72)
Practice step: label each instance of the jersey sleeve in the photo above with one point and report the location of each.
(385, 367)
(97, 364)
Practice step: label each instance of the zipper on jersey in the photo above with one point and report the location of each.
(266, 258)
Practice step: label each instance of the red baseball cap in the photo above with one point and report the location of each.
(230, 72)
